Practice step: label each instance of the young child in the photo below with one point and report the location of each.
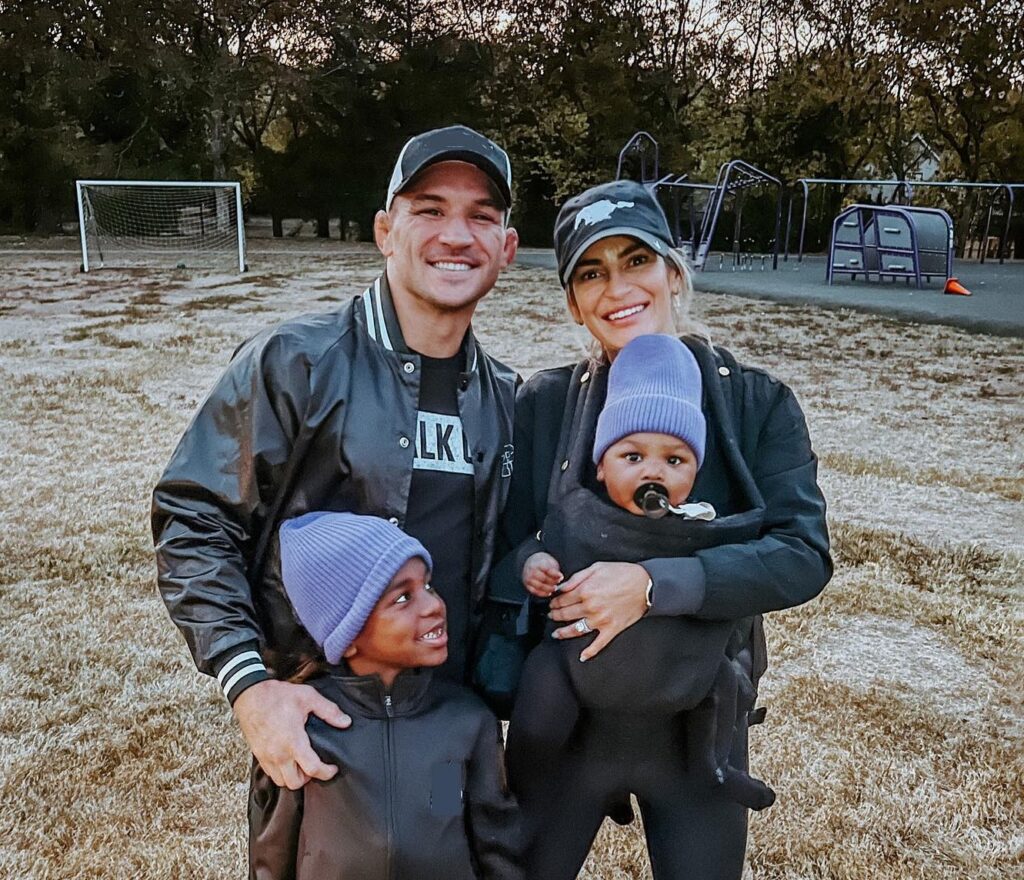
(649, 446)
(420, 790)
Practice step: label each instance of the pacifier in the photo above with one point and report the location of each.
(652, 499)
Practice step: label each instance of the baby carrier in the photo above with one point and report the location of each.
(660, 665)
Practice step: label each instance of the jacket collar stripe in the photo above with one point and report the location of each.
(368, 308)
(376, 310)
(384, 336)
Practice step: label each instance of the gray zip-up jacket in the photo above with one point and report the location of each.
(318, 413)
(420, 793)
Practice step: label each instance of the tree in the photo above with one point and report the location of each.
(38, 142)
(308, 101)
(968, 66)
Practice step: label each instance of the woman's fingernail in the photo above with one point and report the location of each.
(583, 659)
(555, 635)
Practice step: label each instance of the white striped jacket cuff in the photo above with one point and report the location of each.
(241, 671)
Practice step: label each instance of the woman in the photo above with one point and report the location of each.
(623, 280)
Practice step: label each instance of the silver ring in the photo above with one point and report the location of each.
(582, 627)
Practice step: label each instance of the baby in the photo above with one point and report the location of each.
(420, 790)
(649, 442)
(649, 446)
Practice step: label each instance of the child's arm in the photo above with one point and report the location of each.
(542, 574)
(275, 815)
(492, 817)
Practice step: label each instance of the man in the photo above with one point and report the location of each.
(387, 407)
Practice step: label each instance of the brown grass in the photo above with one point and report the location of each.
(894, 727)
(1009, 487)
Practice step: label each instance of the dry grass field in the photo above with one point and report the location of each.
(895, 731)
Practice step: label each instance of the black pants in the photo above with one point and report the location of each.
(694, 831)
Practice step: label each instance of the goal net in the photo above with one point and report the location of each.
(181, 224)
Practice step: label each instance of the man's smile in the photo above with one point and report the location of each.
(451, 266)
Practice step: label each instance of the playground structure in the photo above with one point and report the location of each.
(1000, 199)
(694, 209)
(891, 241)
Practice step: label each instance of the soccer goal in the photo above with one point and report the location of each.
(169, 223)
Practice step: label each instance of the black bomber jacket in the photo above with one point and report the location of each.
(318, 413)
(420, 793)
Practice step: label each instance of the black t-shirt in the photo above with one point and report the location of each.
(440, 512)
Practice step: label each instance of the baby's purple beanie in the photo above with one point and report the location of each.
(654, 386)
(335, 566)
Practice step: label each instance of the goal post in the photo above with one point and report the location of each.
(170, 223)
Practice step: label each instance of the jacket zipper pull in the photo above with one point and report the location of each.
(387, 705)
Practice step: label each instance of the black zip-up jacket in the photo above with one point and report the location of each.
(420, 793)
(318, 413)
(786, 564)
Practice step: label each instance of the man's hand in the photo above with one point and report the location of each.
(542, 574)
(611, 596)
(272, 715)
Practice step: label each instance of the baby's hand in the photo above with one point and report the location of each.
(541, 574)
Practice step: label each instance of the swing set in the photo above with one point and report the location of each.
(988, 199)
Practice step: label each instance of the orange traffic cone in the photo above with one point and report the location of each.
(954, 286)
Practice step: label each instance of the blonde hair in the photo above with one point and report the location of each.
(685, 324)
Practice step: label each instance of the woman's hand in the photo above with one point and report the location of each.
(610, 596)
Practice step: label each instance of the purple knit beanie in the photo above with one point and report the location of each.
(335, 566)
(654, 386)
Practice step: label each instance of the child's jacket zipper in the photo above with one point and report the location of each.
(389, 787)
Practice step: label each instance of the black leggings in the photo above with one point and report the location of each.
(694, 831)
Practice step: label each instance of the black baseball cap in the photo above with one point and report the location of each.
(622, 207)
(456, 143)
